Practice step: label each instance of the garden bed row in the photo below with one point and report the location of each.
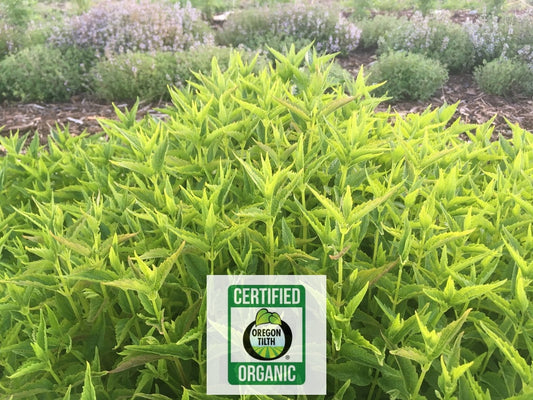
(117, 53)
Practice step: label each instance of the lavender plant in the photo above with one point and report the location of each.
(280, 26)
(434, 36)
(115, 28)
(502, 37)
(490, 41)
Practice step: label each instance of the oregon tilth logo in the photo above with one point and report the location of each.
(258, 340)
(268, 337)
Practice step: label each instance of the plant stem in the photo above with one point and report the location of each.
(397, 291)
(425, 369)
(304, 224)
(270, 245)
(340, 273)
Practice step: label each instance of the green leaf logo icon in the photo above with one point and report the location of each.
(263, 316)
(274, 318)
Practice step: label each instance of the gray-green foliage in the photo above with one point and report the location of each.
(280, 26)
(146, 76)
(372, 29)
(408, 76)
(436, 37)
(426, 240)
(505, 77)
(17, 12)
(39, 73)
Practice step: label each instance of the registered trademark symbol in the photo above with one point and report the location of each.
(287, 357)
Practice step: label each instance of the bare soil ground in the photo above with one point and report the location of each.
(82, 114)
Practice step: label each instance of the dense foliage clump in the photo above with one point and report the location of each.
(408, 75)
(436, 37)
(147, 75)
(505, 77)
(425, 239)
(39, 73)
(282, 25)
(111, 28)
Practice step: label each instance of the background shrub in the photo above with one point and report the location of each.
(425, 6)
(8, 36)
(518, 31)
(131, 75)
(38, 73)
(436, 37)
(372, 29)
(117, 28)
(14, 37)
(451, 45)
(17, 12)
(360, 8)
(409, 75)
(280, 26)
(505, 77)
(208, 7)
(496, 37)
(487, 37)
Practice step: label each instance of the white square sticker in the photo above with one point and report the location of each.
(266, 334)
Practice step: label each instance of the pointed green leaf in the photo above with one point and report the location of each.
(411, 354)
(336, 104)
(354, 302)
(88, 392)
(340, 393)
(158, 156)
(78, 247)
(163, 270)
(512, 355)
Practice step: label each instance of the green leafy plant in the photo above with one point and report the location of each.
(361, 8)
(408, 75)
(147, 76)
(372, 29)
(494, 7)
(426, 240)
(425, 6)
(38, 73)
(280, 26)
(505, 77)
(436, 37)
(17, 12)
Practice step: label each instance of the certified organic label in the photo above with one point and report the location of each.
(258, 336)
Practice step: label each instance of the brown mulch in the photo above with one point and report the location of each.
(81, 114)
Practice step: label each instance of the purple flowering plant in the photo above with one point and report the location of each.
(120, 27)
(435, 36)
(299, 24)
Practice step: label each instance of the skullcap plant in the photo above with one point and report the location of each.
(426, 239)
